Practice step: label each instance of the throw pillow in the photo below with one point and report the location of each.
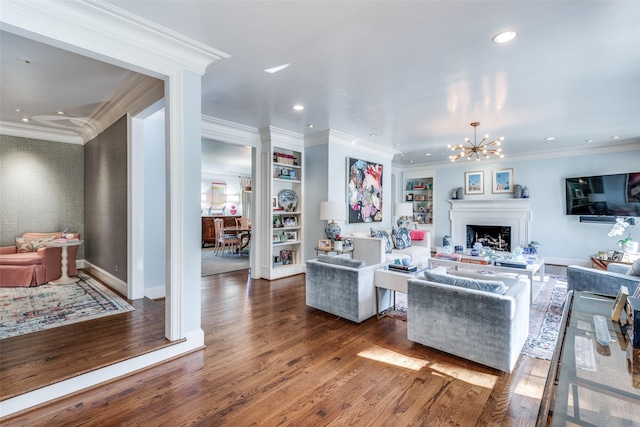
(494, 286)
(31, 245)
(344, 262)
(634, 270)
(401, 237)
(382, 234)
(418, 234)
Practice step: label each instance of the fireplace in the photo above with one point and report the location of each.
(512, 213)
(496, 237)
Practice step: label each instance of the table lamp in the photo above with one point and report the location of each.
(403, 211)
(332, 211)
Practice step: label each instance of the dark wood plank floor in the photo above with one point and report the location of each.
(270, 360)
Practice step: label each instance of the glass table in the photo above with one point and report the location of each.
(590, 384)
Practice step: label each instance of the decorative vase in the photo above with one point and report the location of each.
(517, 191)
(332, 230)
(460, 193)
(337, 245)
(630, 247)
(454, 194)
(525, 192)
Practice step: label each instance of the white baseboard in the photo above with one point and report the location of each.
(106, 277)
(155, 292)
(194, 341)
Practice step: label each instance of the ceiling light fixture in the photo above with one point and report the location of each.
(310, 125)
(298, 107)
(24, 119)
(373, 135)
(550, 138)
(474, 148)
(615, 137)
(427, 154)
(61, 113)
(504, 37)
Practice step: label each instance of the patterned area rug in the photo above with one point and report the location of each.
(24, 310)
(544, 318)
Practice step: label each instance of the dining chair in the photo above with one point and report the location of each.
(224, 240)
(243, 222)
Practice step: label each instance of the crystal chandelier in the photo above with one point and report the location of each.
(482, 148)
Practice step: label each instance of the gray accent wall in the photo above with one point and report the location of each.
(105, 199)
(41, 188)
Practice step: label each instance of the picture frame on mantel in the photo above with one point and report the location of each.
(502, 181)
(474, 182)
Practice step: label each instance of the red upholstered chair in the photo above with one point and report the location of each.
(36, 267)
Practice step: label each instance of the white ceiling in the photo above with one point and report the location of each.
(414, 73)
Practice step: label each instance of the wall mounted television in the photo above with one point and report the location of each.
(604, 195)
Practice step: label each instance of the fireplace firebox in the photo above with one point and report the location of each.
(498, 238)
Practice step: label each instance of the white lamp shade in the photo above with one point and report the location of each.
(403, 209)
(333, 211)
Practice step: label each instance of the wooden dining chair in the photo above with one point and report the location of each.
(243, 222)
(224, 240)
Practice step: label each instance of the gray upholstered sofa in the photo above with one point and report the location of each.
(344, 287)
(489, 328)
(601, 281)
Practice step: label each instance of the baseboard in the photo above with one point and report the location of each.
(106, 277)
(155, 292)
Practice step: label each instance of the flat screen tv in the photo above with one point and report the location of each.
(604, 195)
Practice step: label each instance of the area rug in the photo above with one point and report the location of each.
(544, 318)
(215, 264)
(25, 310)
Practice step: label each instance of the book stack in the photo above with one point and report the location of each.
(402, 268)
(480, 260)
(511, 263)
(283, 158)
(450, 257)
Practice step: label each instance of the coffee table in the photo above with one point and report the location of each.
(529, 271)
(395, 281)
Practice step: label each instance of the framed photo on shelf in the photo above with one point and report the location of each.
(409, 197)
(502, 181)
(275, 238)
(578, 192)
(290, 221)
(285, 256)
(291, 235)
(474, 182)
(347, 244)
(293, 175)
(324, 244)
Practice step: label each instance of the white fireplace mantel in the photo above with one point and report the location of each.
(514, 213)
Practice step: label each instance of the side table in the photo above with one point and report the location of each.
(396, 281)
(327, 251)
(64, 279)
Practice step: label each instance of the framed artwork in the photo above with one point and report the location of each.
(474, 182)
(364, 191)
(633, 188)
(218, 194)
(502, 181)
(291, 235)
(324, 244)
(293, 175)
(409, 197)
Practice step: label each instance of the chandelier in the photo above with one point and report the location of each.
(476, 149)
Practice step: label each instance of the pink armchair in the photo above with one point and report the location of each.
(34, 268)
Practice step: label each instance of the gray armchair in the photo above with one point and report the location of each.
(344, 287)
(600, 281)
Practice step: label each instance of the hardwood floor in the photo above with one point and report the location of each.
(271, 360)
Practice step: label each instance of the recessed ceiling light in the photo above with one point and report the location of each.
(550, 138)
(60, 113)
(590, 140)
(373, 134)
(17, 110)
(504, 36)
(615, 137)
(298, 107)
(397, 144)
(410, 161)
(276, 69)
(310, 125)
(401, 154)
(427, 154)
(24, 119)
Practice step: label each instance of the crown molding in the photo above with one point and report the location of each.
(40, 132)
(362, 146)
(229, 132)
(122, 36)
(134, 93)
(281, 137)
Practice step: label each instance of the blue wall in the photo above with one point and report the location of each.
(563, 238)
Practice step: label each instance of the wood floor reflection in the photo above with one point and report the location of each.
(271, 360)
